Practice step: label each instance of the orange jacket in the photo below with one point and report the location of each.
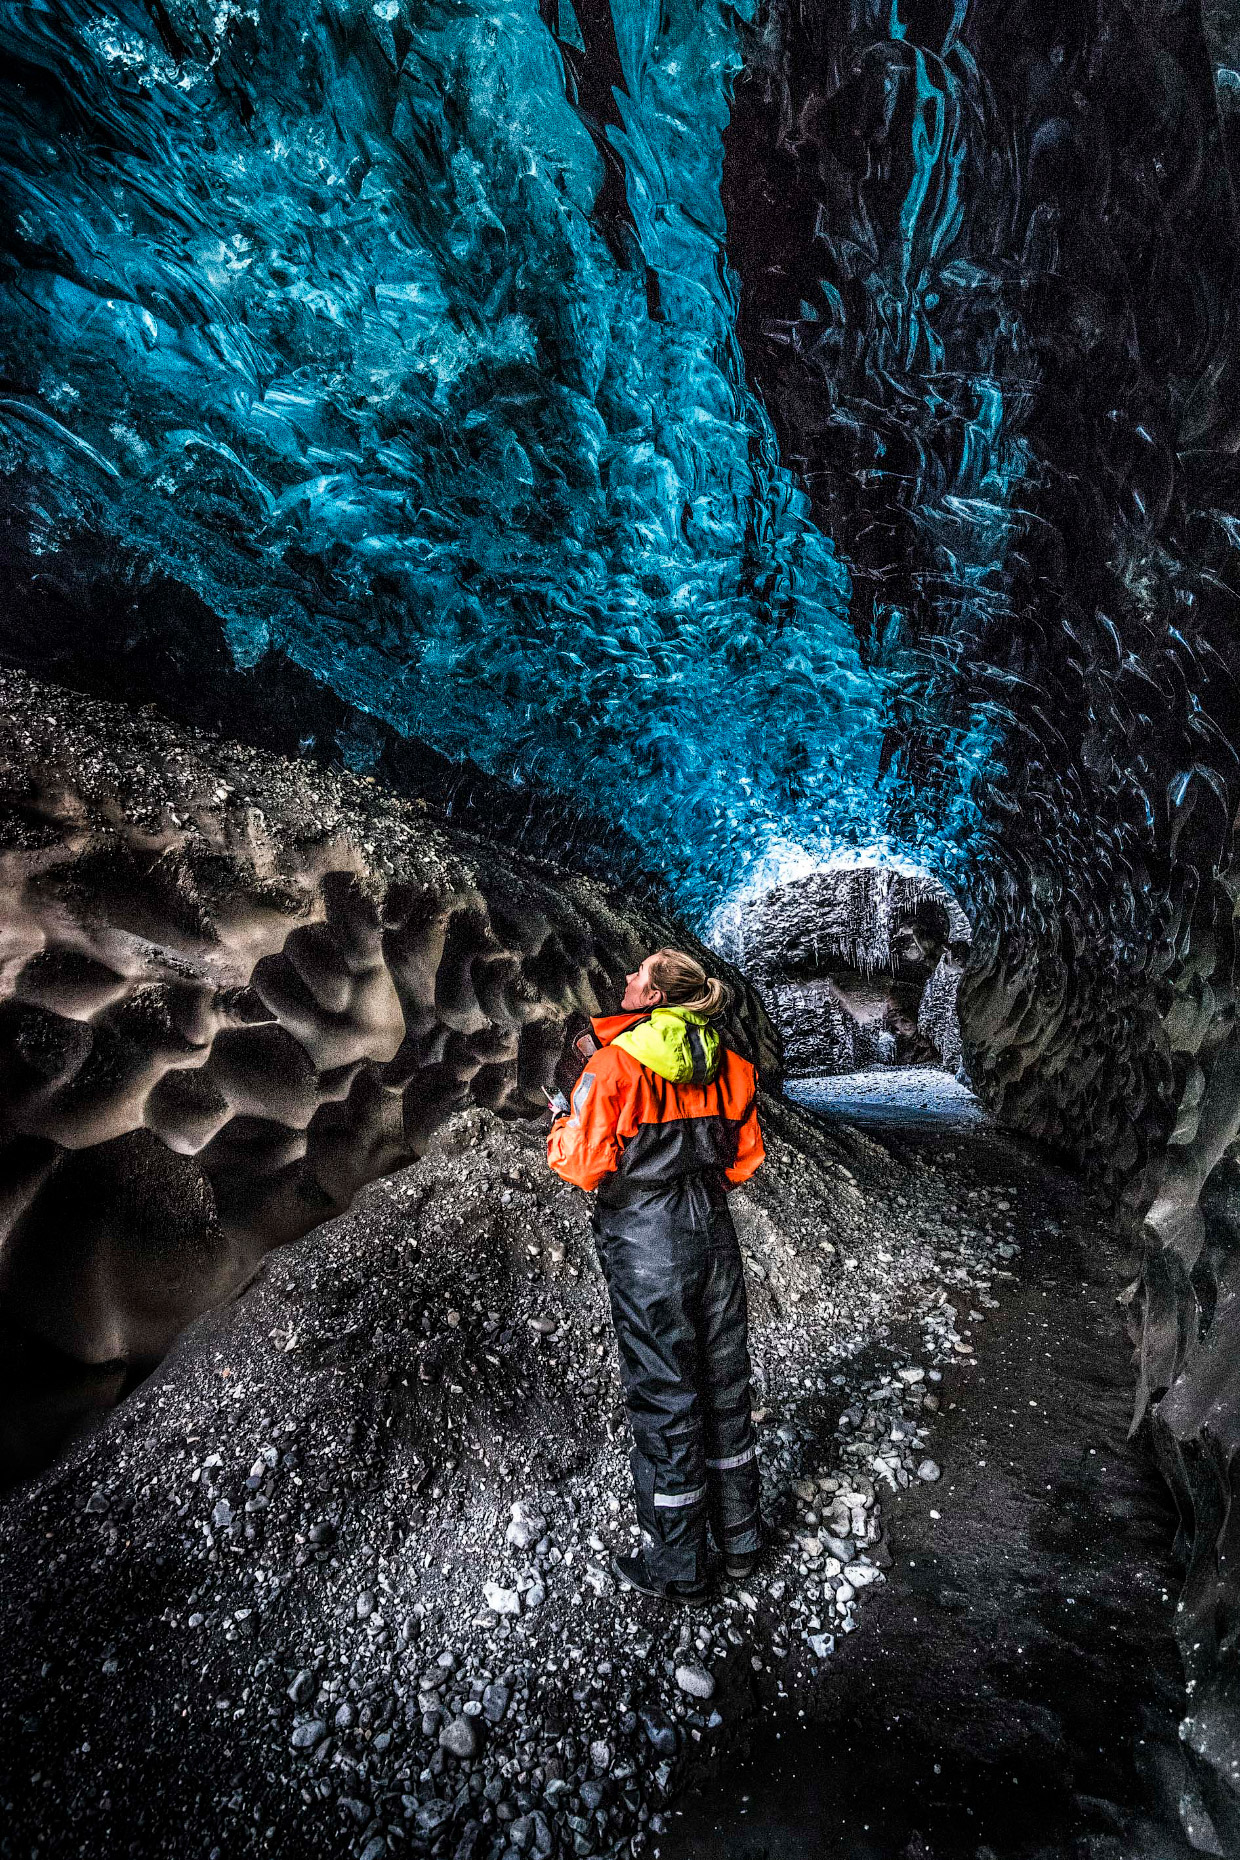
(624, 1117)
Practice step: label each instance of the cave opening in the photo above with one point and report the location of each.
(859, 962)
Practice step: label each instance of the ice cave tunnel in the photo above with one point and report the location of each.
(489, 488)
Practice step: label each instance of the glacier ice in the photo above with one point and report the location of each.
(356, 320)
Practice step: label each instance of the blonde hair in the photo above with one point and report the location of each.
(686, 984)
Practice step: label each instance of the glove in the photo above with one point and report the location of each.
(557, 1104)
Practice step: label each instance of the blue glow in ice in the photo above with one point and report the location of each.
(312, 309)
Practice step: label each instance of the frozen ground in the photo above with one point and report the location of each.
(1015, 1690)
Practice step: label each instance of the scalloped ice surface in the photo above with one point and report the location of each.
(230, 999)
(341, 318)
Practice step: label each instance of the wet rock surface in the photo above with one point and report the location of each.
(335, 1579)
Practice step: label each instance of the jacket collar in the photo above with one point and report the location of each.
(608, 1026)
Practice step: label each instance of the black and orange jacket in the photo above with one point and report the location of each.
(660, 1114)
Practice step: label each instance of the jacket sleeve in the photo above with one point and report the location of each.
(750, 1151)
(585, 1145)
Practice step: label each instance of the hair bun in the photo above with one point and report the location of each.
(716, 998)
(685, 983)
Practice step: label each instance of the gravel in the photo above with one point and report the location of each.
(420, 1621)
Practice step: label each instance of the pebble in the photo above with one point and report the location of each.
(532, 1835)
(525, 1528)
(459, 1738)
(306, 1736)
(929, 1470)
(432, 1815)
(696, 1681)
(303, 1687)
(662, 1736)
(501, 1601)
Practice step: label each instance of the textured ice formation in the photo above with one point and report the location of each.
(404, 336)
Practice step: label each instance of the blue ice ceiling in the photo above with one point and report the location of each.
(405, 335)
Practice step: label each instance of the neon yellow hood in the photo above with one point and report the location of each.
(677, 1044)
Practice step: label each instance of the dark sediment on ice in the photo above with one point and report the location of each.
(1018, 1690)
(380, 1489)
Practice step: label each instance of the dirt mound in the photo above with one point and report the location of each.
(337, 1574)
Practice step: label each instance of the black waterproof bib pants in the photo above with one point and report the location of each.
(673, 1268)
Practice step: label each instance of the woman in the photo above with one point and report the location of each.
(661, 1125)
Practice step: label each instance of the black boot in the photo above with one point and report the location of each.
(738, 1567)
(632, 1572)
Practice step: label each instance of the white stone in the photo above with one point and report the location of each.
(459, 1738)
(501, 1601)
(696, 1681)
(524, 1530)
(598, 1579)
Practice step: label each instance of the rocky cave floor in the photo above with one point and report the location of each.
(334, 1580)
